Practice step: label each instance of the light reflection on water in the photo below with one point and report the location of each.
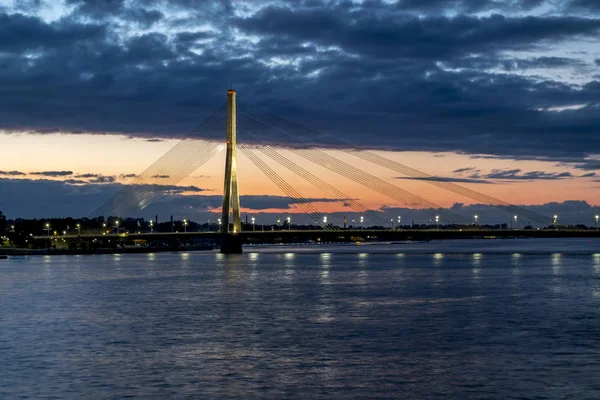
(291, 324)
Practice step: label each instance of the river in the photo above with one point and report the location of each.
(495, 319)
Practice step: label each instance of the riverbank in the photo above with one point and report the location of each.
(4, 252)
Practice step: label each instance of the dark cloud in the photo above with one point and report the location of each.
(468, 6)
(52, 173)
(74, 181)
(127, 176)
(12, 173)
(45, 198)
(20, 33)
(589, 175)
(584, 5)
(391, 36)
(160, 176)
(466, 169)
(103, 179)
(518, 175)
(374, 74)
(586, 165)
(448, 179)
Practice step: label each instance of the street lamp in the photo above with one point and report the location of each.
(437, 221)
(399, 221)
(48, 228)
(151, 226)
(117, 226)
(392, 222)
(289, 221)
(253, 226)
(185, 223)
(324, 221)
(279, 223)
(597, 218)
(362, 219)
(554, 220)
(516, 218)
(78, 229)
(476, 218)
(219, 224)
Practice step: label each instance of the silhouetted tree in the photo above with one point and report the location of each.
(2, 223)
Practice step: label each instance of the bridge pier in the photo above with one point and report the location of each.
(231, 244)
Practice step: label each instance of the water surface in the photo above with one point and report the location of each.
(448, 320)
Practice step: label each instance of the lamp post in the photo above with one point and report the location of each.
(279, 223)
(324, 222)
(48, 228)
(399, 222)
(516, 218)
(437, 222)
(392, 222)
(597, 218)
(219, 225)
(555, 221)
(476, 219)
(289, 221)
(117, 226)
(253, 224)
(362, 219)
(151, 226)
(185, 224)
(78, 229)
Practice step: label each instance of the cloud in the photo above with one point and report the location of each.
(588, 175)
(583, 5)
(45, 198)
(12, 173)
(127, 176)
(518, 175)
(103, 179)
(447, 179)
(74, 181)
(466, 85)
(52, 173)
(160, 176)
(467, 169)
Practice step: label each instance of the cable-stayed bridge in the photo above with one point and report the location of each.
(263, 137)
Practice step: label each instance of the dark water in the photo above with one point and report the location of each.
(455, 320)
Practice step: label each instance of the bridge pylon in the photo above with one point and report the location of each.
(231, 195)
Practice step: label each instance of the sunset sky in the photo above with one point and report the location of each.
(500, 96)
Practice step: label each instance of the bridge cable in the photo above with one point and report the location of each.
(303, 203)
(359, 176)
(356, 175)
(311, 178)
(366, 155)
(180, 161)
